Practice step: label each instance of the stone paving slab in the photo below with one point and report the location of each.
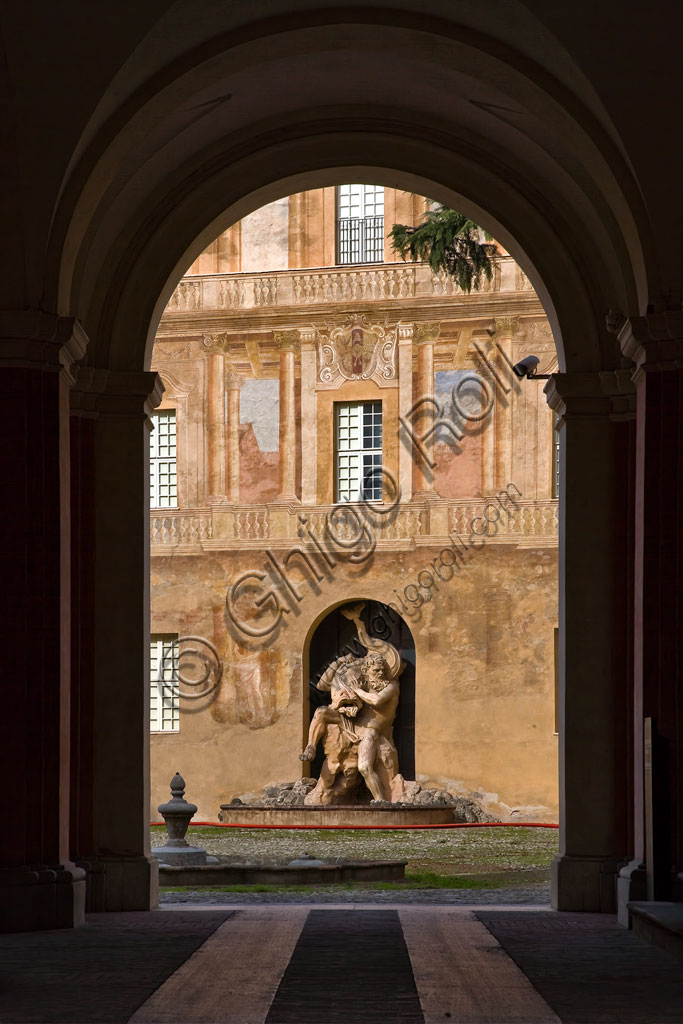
(233, 977)
(348, 968)
(589, 969)
(100, 972)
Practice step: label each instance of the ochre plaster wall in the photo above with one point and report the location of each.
(484, 676)
(483, 639)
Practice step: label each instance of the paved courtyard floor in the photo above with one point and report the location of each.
(339, 964)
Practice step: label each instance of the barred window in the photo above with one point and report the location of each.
(164, 695)
(358, 451)
(163, 485)
(360, 224)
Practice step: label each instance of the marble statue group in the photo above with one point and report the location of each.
(356, 727)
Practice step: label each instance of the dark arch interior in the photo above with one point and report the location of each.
(336, 635)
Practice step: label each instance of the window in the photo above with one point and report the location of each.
(164, 694)
(163, 487)
(360, 224)
(359, 451)
(555, 483)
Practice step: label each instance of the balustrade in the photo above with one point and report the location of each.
(249, 524)
(327, 286)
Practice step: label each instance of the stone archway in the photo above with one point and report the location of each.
(159, 173)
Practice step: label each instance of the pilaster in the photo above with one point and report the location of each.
(405, 403)
(309, 417)
(594, 499)
(121, 873)
(288, 343)
(426, 335)
(40, 887)
(655, 344)
(233, 383)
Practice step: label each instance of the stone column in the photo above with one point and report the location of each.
(288, 343)
(506, 327)
(82, 635)
(309, 417)
(122, 874)
(594, 413)
(423, 478)
(215, 414)
(40, 887)
(406, 453)
(655, 344)
(234, 382)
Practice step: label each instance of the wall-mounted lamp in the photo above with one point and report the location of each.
(525, 368)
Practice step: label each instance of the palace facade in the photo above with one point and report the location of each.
(340, 426)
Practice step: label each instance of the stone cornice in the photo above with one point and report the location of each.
(116, 392)
(602, 393)
(653, 342)
(32, 339)
(448, 308)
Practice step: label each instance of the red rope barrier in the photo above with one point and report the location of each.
(393, 828)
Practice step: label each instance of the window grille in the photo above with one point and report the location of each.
(358, 451)
(360, 224)
(164, 694)
(163, 484)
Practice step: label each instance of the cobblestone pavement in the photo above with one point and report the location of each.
(529, 895)
(454, 851)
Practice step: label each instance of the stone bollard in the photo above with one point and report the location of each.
(177, 814)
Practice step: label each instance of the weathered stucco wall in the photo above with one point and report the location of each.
(484, 676)
(484, 639)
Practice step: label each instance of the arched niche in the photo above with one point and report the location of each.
(334, 636)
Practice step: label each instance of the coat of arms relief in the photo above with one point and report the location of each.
(357, 350)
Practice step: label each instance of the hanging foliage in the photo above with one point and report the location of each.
(449, 242)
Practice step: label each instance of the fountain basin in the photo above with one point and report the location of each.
(212, 875)
(340, 816)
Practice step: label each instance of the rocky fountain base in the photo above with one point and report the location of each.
(282, 804)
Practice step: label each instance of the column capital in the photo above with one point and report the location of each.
(34, 340)
(287, 341)
(427, 332)
(218, 342)
(506, 326)
(653, 342)
(602, 393)
(405, 333)
(233, 380)
(307, 337)
(116, 392)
